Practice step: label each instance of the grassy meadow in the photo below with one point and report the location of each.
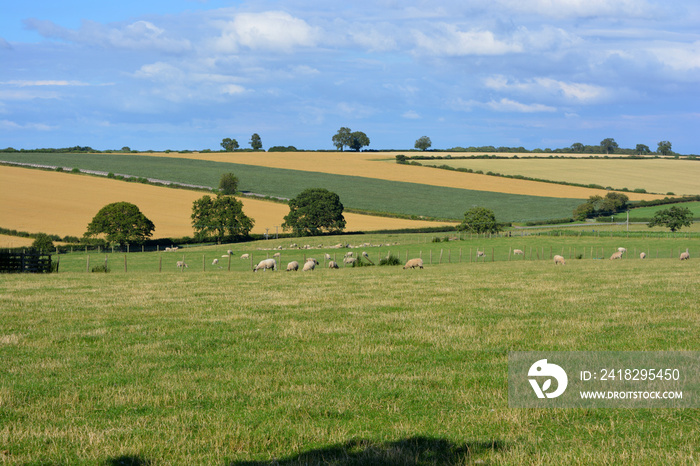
(370, 365)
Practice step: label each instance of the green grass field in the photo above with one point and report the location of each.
(371, 365)
(367, 194)
(648, 212)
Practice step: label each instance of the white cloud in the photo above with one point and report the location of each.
(578, 92)
(580, 8)
(511, 106)
(29, 83)
(448, 40)
(679, 57)
(411, 115)
(11, 125)
(271, 30)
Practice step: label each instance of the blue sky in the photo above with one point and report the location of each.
(184, 74)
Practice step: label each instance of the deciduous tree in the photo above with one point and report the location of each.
(220, 217)
(664, 148)
(121, 223)
(313, 212)
(423, 143)
(673, 218)
(479, 220)
(228, 184)
(256, 142)
(229, 144)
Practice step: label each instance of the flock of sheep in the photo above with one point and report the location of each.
(616, 255)
(349, 259)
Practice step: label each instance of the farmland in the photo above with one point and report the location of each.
(363, 365)
(64, 203)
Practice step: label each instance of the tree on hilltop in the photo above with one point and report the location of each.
(122, 223)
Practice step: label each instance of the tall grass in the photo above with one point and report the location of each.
(352, 366)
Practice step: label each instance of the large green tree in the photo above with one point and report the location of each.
(673, 218)
(423, 143)
(596, 205)
(358, 140)
(229, 144)
(342, 138)
(220, 217)
(255, 141)
(608, 145)
(121, 223)
(479, 220)
(313, 212)
(664, 148)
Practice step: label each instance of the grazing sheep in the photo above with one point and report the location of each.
(245, 256)
(349, 260)
(480, 254)
(366, 256)
(266, 264)
(348, 254)
(622, 250)
(293, 266)
(327, 256)
(332, 265)
(559, 260)
(311, 259)
(685, 255)
(617, 255)
(181, 265)
(518, 252)
(309, 265)
(215, 262)
(171, 249)
(277, 254)
(413, 263)
(225, 256)
(229, 252)
(642, 255)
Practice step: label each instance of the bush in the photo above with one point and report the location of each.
(390, 260)
(102, 268)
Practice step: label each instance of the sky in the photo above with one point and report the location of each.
(185, 74)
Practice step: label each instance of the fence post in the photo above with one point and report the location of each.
(87, 269)
(160, 263)
(229, 262)
(125, 262)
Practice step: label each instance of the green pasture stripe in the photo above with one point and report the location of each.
(355, 192)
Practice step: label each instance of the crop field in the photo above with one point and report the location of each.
(681, 177)
(366, 194)
(648, 212)
(64, 204)
(370, 365)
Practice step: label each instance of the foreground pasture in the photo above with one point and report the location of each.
(352, 366)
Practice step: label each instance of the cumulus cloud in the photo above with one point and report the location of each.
(571, 91)
(137, 35)
(271, 31)
(449, 40)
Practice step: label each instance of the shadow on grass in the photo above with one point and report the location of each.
(128, 460)
(411, 451)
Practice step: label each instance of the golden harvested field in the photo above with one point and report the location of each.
(7, 241)
(64, 203)
(654, 175)
(381, 165)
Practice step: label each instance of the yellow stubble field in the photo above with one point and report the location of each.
(381, 165)
(64, 203)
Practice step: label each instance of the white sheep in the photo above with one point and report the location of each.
(215, 262)
(309, 265)
(413, 263)
(332, 265)
(311, 259)
(480, 254)
(559, 260)
(349, 260)
(518, 252)
(277, 254)
(366, 256)
(348, 254)
(181, 264)
(245, 256)
(266, 264)
(642, 255)
(293, 266)
(229, 252)
(622, 250)
(327, 256)
(617, 255)
(685, 255)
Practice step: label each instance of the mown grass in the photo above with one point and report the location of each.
(368, 194)
(354, 366)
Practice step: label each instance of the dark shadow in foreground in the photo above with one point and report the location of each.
(411, 451)
(127, 460)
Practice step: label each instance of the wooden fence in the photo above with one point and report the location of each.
(24, 262)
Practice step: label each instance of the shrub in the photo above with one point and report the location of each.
(390, 260)
(102, 268)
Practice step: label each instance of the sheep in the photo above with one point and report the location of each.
(277, 254)
(311, 259)
(171, 249)
(685, 255)
(642, 255)
(229, 252)
(480, 254)
(617, 255)
(349, 260)
(245, 256)
(366, 256)
(622, 250)
(348, 254)
(413, 263)
(518, 252)
(293, 266)
(215, 262)
(309, 265)
(181, 265)
(327, 256)
(332, 265)
(266, 264)
(559, 260)
(225, 256)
